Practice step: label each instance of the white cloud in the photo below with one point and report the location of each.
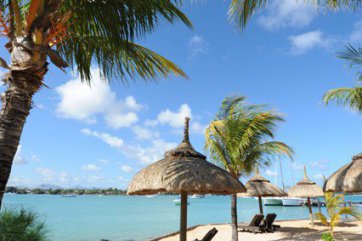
(198, 128)
(320, 164)
(126, 168)
(143, 133)
(197, 46)
(113, 141)
(145, 154)
(356, 35)
(19, 181)
(19, 159)
(271, 173)
(302, 43)
(46, 173)
(297, 166)
(148, 154)
(175, 119)
(85, 103)
(90, 168)
(151, 123)
(281, 14)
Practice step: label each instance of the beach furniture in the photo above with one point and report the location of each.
(269, 222)
(209, 235)
(255, 225)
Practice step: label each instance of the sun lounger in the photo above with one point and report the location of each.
(209, 235)
(255, 225)
(269, 222)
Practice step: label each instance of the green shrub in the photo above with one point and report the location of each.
(21, 226)
(327, 237)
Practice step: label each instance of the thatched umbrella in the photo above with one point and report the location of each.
(306, 189)
(347, 179)
(184, 171)
(258, 186)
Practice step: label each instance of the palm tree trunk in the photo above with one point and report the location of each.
(234, 217)
(23, 80)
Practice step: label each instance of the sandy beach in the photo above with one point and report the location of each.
(290, 230)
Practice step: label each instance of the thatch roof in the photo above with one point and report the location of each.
(184, 170)
(305, 188)
(347, 179)
(260, 186)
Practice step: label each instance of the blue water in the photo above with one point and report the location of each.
(126, 218)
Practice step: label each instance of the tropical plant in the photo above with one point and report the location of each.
(78, 33)
(335, 210)
(240, 11)
(348, 97)
(239, 140)
(21, 226)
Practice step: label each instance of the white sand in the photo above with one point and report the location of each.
(290, 230)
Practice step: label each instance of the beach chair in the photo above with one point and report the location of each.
(254, 226)
(269, 222)
(209, 235)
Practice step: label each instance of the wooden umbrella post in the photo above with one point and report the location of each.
(310, 211)
(183, 216)
(260, 205)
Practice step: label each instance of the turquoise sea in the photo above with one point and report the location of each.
(135, 218)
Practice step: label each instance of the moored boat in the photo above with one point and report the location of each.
(289, 201)
(273, 201)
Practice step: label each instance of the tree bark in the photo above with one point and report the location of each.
(24, 79)
(234, 218)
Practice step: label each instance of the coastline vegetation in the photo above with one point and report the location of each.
(62, 191)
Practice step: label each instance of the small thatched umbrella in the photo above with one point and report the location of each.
(258, 186)
(347, 179)
(306, 189)
(184, 171)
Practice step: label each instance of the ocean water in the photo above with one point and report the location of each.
(135, 218)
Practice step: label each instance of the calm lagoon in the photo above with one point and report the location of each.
(135, 218)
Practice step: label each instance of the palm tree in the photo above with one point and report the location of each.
(335, 210)
(348, 97)
(21, 226)
(77, 33)
(240, 11)
(238, 139)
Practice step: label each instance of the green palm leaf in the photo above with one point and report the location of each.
(348, 97)
(240, 11)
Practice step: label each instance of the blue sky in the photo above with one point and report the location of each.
(101, 136)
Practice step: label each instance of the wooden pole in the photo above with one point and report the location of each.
(310, 211)
(183, 216)
(260, 205)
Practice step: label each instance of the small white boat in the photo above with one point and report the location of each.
(273, 201)
(150, 196)
(288, 202)
(177, 201)
(197, 196)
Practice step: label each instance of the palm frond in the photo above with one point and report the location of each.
(104, 32)
(240, 11)
(322, 218)
(352, 55)
(348, 97)
(237, 136)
